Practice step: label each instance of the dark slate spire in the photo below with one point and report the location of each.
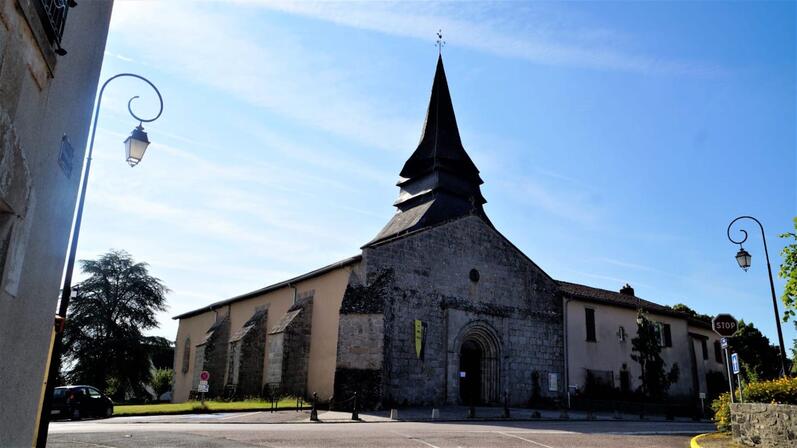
(440, 146)
(439, 182)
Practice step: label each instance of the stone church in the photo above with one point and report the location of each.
(438, 308)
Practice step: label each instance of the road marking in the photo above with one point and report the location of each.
(240, 415)
(524, 439)
(417, 439)
(694, 442)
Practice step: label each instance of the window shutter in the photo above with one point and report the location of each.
(589, 315)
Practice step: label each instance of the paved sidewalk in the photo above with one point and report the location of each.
(446, 414)
(459, 413)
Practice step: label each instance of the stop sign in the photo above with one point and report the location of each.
(204, 375)
(724, 325)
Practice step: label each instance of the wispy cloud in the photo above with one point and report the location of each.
(625, 264)
(546, 39)
(208, 46)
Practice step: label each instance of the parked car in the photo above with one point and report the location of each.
(76, 402)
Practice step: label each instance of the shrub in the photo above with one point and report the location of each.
(782, 391)
(722, 412)
(162, 380)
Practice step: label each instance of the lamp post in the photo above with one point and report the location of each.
(743, 258)
(135, 146)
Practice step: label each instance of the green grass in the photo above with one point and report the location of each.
(191, 407)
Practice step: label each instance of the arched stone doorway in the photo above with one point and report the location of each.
(470, 368)
(479, 365)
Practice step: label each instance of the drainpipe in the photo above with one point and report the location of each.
(567, 358)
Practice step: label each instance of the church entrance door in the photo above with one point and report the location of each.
(470, 368)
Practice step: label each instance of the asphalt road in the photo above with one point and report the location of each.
(581, 434)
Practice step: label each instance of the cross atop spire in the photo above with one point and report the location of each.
(440, 42)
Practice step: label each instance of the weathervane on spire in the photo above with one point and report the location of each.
(440, 42)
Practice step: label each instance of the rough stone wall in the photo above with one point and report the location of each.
(250, 368)
(765, 425)
(289, 350)
(513, 300)
(361, 339)
(274, 370)
(296, 352)
(214, 357)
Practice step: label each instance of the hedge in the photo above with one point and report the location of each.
(781, 391)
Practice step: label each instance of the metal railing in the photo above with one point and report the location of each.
(53, 16)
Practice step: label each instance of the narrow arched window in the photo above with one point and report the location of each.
(186, 355)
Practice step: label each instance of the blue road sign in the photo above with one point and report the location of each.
(735, 363)
(724, 342)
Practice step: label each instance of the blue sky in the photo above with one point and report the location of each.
(616, 140)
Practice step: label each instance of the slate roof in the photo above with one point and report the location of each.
(212, 330)
(606, 297)
(274, 287)
(440, 145)
(250, 324)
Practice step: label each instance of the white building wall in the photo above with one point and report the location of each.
(608, 353)
(42, 97)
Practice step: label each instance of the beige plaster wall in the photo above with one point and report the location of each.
(609, 354)
(704, 366)
(42, 97)
(328, 290)
(194, 329)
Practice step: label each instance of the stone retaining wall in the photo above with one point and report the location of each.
(765, 425)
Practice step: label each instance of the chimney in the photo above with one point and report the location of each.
(627, 290)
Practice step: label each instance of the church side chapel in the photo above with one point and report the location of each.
(439, 308)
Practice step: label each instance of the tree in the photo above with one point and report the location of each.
(759, 359)
(794, 358)
(162, 380)
(161, 352)
(788, 271)
(680, 307)
(103, 335)
(646, 350)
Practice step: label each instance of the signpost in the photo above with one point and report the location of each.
(203, 387)
(736, 370)
(725, 325)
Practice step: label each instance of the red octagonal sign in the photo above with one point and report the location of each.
(724, 325)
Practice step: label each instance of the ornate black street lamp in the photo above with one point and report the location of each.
(743, 258)
(135, 146)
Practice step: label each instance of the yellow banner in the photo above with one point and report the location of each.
(418, 338)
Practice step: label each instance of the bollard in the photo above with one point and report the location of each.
(506, 405)
(314, 411)
(354, 414)
(435, 413)
(394, 414)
